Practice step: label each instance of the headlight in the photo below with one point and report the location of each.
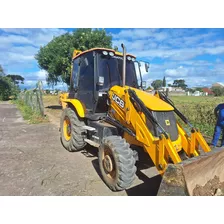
(133, 59)
(105, 52)
(129, 58)
(111, 54)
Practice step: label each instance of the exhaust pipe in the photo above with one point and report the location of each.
(124, 65)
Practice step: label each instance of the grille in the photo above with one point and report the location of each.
(167, 120)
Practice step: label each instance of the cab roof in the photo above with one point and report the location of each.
(78, 53)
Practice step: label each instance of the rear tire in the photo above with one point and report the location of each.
(116, 162)
(72, 134)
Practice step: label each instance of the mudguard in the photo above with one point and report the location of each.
(77, 105)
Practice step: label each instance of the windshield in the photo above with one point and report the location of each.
(111, 67)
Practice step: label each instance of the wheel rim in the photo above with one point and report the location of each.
(67, 128)
(109, 163)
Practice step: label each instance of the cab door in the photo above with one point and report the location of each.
(85, 88)
(74, 79)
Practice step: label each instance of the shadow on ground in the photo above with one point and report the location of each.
(149, 187)
(54, 107)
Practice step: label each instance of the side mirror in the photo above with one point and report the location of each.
(100, 81)
(146, 67)
(143, 84)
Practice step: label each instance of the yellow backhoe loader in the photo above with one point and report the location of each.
(108, 108)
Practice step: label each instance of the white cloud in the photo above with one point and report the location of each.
(35, 37)
(204, 73)
(174, 44)
(138, 34)
(178, 54)
(42, 74)
(21, 31)
(19, 46)
(180, 71)
(134, 33)
(14, 39)
(32, 78)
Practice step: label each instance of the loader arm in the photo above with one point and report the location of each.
(192, 142)
(132, 109)
(134, 116)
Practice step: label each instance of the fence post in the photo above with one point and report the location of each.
(34, 99)
(40, 97)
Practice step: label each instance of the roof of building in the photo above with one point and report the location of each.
(207, 90)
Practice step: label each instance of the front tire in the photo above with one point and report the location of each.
(116, 162)
(72, 134)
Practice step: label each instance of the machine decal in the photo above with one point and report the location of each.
(167, 122)
(118, 100)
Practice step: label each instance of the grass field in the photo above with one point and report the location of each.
(198, 109)
(197, 99)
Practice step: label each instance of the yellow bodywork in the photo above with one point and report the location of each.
(65, 102)
(164, 152)
(160, 149)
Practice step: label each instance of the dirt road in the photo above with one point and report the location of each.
(33, 162)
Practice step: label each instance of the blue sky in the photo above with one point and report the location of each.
(196, 55)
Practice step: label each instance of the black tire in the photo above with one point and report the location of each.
(121, 156)
(77, 134)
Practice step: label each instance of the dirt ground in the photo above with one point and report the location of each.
(33, 161)
(212, 188)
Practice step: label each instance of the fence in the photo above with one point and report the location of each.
(34, 99)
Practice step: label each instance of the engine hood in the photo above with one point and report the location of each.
(152, 102)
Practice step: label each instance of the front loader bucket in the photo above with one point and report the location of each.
(185, 178)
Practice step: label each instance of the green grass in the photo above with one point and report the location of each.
(196, 99)
(199, 110)
(28, 114)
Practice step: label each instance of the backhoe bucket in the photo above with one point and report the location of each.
(184, 178)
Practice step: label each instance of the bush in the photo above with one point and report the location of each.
(7, 88)
(218, 91)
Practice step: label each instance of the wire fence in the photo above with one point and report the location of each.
(34, 98)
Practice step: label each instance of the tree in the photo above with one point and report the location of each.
(190, 90)
(1, 71)
(16, 79)
(164, 81)
(218, 91)
(179, 83)
(47, 91)
(149, 88)
(156, 84)
(6, 88)
(200, 89)
(116, 48)
(56, 56)
(8, 85)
